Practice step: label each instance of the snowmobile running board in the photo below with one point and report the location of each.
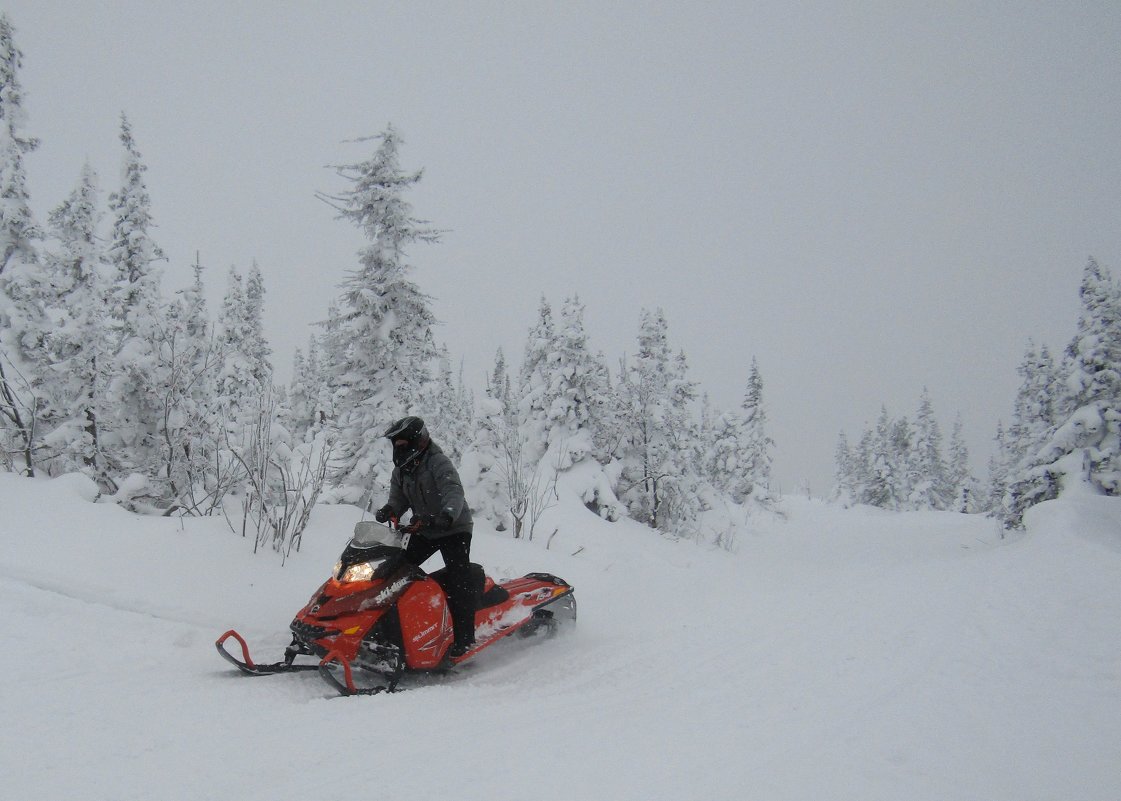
(247, 666)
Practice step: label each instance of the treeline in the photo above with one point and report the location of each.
(174, 411)
(1064, 432)
(902, 465)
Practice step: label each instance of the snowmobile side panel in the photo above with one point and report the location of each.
(426, 624)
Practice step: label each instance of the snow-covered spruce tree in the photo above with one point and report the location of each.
(188, 359)
(451, 405)
(1034, 419)
(489, 468)
(130, 437)
(1034, 412)
(659, 479)
(734, 448)
(577, 392)
(243, 376)
(562, 417)
(306, 413)
(886, 464)
(582, 416)
(256, 347)
(381, 346)
(70, 381)
(847, 473)
(964, 493)
(876, 447)
(299, 414)
(930, 486)
(22, 325)
(535, 385)
(720, 451)
(999, 472)
(757, 454)
(1085, 448)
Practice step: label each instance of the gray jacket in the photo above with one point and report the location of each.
(431, 488)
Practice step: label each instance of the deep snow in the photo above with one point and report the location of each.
(840, 654)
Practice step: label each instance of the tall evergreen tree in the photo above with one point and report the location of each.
(71, 380)
(577, 394)
(137, 318)
(930, 485)
(256, 346)
(535, 385)
(242, 378)
(659, 477)
(189, 359)
(847, 472)
(18, 230)
(385, 351)
(962, 486)
(757, 444)
(22, 324)
(1085, 448)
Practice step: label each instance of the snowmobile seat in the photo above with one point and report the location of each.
(493, 595)
(486, 591)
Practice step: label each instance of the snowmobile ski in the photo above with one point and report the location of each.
(246, 664)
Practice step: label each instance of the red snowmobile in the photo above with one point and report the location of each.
(386, 616)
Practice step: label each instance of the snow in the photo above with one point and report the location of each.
(840, 654)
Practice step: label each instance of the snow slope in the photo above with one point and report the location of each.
(837, 654)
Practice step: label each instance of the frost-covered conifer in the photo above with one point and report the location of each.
(659, 477)
(964, 493)
(131, 436)
(71, 380)
(1034, 411)
(300, 397)
(449, 410)
(240, 384)
(929, 485)
(190, 358)
(380, 342)
(757, 445)
(22, 324)
(577, 393)
(847, 472)
(257, 348)
(492, 460)
(18, 229)
(535, 384)
(1084, 449)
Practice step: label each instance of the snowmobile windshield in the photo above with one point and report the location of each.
(368, 534)
(372, 553)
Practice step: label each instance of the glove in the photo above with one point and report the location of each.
(383, 514)
(440, 522)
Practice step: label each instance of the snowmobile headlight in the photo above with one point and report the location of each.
(363, 571)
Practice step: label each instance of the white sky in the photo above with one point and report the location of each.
(868, 197)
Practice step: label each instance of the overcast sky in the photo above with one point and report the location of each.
(869, 198)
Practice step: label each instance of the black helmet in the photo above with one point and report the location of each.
(410, 437)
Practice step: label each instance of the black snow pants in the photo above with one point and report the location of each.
(456, 551)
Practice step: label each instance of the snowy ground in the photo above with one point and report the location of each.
(838, 654)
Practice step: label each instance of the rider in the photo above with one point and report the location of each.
(425, 481)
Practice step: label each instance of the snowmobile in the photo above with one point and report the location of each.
(381, 614)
